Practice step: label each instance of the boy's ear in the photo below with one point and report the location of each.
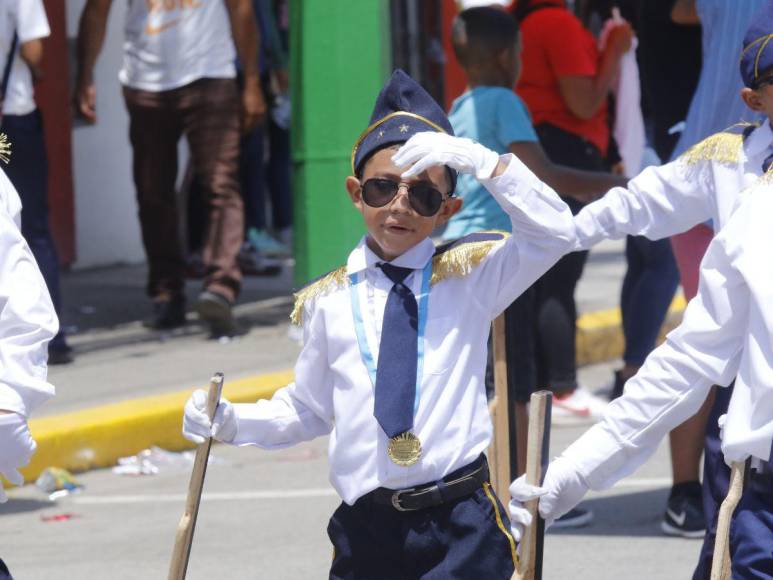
(448, 209)
(354, 190)
(752, 99)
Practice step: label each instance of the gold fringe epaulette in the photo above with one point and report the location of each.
(724, 147)
(461, 259)
(327, 283)
(5, 147)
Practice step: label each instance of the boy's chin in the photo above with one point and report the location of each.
(389, 251)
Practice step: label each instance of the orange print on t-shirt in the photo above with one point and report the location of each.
(162, 10)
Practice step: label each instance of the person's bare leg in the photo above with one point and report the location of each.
(687, 444)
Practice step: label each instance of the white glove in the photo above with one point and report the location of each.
(428, 149)
(520, 493)
(564, 487)
(16, 449)
(197, 426)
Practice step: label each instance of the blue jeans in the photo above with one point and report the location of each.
(648, 288)
(28, 171)
(256, 175)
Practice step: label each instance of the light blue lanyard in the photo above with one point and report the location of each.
(362, 339)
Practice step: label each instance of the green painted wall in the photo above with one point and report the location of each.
(339, 61)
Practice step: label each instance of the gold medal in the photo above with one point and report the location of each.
(404, 449)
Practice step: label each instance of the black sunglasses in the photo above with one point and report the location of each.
(424, 199)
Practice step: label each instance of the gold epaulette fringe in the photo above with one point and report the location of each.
(328, 282)
(5, 147)
(721, 147)
(460, 260)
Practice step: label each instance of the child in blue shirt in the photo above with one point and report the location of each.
(486, 43)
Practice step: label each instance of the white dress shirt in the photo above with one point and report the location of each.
(726, 334)
(333, 392)
(28, 19)
(27, 318)
(670, 199)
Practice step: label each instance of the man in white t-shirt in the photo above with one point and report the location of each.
(179, 78)
(23, 123)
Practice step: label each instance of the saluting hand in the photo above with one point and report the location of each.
(427, 149)
(16, 449)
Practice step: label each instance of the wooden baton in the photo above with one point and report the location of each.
(537, 454)
(184, 536)
(499, 451)
(720, 561)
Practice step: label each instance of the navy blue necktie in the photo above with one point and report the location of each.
(397, 356)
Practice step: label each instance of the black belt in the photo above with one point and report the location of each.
(460, 483)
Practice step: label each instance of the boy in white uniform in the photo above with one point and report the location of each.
(27, 324)
(395, 352)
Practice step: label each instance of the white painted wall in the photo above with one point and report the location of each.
(106, 223)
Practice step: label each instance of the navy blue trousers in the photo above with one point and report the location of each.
(648, 288)
(28, 171)
(466, 538)
(716, 480)
(5, 574)
(751, 534)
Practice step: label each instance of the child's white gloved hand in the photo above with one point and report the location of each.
(16, 449)
(564, 487)
(520, 493)
(197, 426)
(429, 148)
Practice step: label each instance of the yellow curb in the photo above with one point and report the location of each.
(97, 437)
(600, 335)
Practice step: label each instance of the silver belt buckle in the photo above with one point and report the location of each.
(396, 500)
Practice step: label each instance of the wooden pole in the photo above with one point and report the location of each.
(720, 563)
(537, 454)
(184, 536)
(499, 451)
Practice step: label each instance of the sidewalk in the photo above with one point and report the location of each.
(126, 389)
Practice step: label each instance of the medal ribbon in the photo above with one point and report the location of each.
(362, 339)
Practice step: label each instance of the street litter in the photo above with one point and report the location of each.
(154, 460)
(57, 482)
(59, 518)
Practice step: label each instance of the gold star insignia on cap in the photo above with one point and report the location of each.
(380, 134)
(403, 128)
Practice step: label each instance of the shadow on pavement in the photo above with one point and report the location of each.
(23, 505)
(635, 514)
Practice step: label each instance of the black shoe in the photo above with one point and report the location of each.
(617, 387)
(168, 313)
(684, 512)
(59, 355)
(574, 518)
(217, 311)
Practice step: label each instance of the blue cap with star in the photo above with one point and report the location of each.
(757, 55)
(403, 108)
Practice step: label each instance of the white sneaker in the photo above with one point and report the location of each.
(579, 407)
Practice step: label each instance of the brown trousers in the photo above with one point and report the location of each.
(207, 113)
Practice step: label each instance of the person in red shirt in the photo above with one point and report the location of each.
(565, 82)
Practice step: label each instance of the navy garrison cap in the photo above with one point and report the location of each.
(757, 55)
(403, 108)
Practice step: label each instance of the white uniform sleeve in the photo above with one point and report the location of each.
(659, 202)
(300, 411)
(27, 318)
(543, 231)
(31, 21)
(674, 381)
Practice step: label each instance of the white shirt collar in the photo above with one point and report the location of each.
(760, 141)
(362, 257)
